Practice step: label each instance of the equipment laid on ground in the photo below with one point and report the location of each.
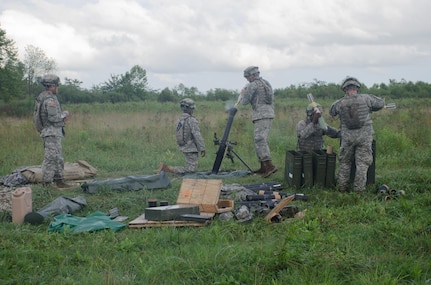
(171, 212)
(197, 203)
(304, 169)
(266, 186)
(21, 204)
(274, 215)
(265, 200)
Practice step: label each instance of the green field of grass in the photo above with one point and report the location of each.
(342, 239)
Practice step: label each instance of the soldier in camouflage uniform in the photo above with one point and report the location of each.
(53, 121)
(310, 133)
(189, 140)
(354, 111)
(258, 92)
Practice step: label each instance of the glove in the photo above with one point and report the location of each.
(203, 153)
(239, 99)
(316, 117)
(65, 115)
(313, 104)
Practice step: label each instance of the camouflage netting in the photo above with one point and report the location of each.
(25, 176)
(33, 174)
(6, 199)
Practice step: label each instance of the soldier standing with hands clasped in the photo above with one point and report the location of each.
(51, 128)
(259, 94)
(354, 111)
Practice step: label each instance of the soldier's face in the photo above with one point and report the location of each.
(53, 89)
(250, 77)
(351, 90)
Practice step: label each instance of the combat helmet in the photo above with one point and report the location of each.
(50, 80)
(187, 104)
(310, 109)
(251, 70)
(350, 81)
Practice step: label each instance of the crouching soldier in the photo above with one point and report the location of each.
(310, 133)
(189, 140)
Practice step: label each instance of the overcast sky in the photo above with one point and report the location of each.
(208, 44)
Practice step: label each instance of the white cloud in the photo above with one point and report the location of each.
(207, 44)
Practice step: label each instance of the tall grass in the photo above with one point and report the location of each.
(343, 238)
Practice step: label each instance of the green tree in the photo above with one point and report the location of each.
(166, 95)
(133, 85)
(11, 70)
(220, 94)
(184, 91)
(36, 65)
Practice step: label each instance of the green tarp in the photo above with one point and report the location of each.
(94, 222)
(128, 183)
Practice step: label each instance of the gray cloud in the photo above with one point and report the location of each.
(207, 44)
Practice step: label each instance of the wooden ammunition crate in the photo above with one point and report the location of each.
(205, 193)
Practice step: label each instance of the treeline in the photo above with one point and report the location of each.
(19, 85)
(124, 88)
(70, 93)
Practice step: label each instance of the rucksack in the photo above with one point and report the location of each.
(267, 98)
(180, 135)
(37, 119)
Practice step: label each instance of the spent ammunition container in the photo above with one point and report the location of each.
(293, 169)
(331, 159)
(319, 167)
(307, 169)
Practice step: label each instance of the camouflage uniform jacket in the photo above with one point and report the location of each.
(310, 136)
(192, 134)
(51, 114)
(361, 105)
(260, 95)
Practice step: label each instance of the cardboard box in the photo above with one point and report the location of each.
(205, 193)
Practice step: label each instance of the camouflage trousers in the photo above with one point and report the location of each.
(261, 133)
(358, 148)
(191, 163)
(53, 161)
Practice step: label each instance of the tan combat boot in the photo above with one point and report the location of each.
(269, 169)
(61, 185)
(165, 168)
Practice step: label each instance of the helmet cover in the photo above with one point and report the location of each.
(350, 81)
(251, 70)
(187, 103)
(50, 80)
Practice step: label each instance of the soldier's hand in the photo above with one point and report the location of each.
(67, 116)
(203, 153)
(316, 117)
